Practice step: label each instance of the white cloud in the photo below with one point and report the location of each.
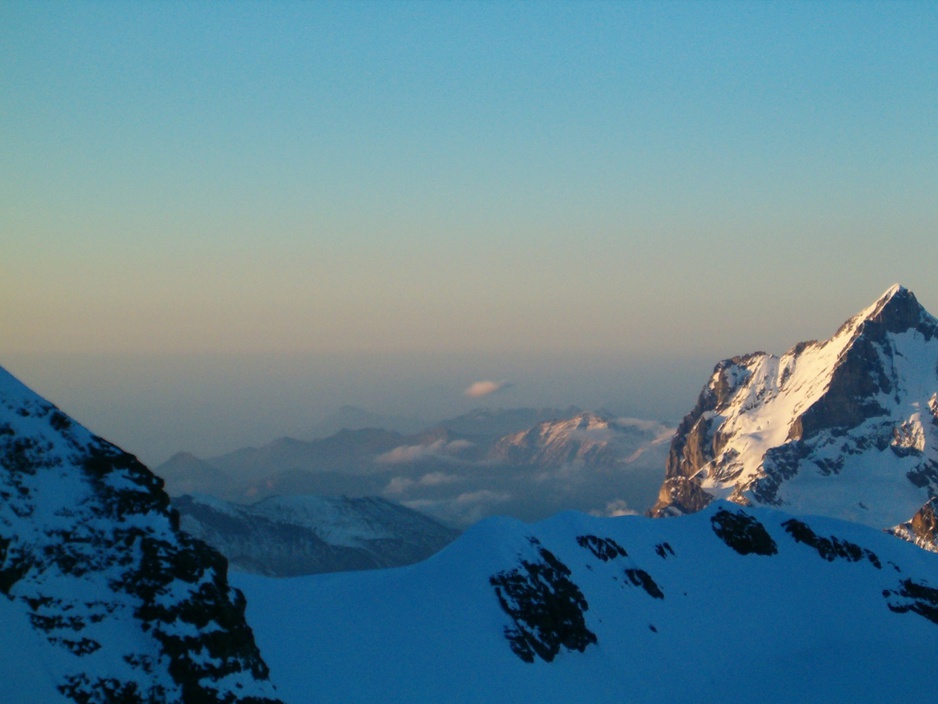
(407, 453)
(458, 445)
(403, 485)
(662, 432)
(617, 507)
(398, 485)
(437, 478)
(411, 453)
(464, 510)
(485, 388)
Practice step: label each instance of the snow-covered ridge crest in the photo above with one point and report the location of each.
(105, 598)
(844, 427)
(731, 604)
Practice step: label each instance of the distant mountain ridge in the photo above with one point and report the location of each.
(586, 460)
(846, 427)
(355, 418)
(504, 421)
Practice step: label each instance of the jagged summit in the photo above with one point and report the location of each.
(895, 311)
(845, 427)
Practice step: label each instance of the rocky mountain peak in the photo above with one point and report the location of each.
(845, 427)
(896, 311)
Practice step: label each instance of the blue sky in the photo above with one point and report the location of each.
(582, 198)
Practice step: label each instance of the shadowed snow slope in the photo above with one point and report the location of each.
(730, 604)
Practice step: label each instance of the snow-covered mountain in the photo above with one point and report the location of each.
(727, 605)
(846, 427)
(105, 599)
(285, 536)
(586, 438)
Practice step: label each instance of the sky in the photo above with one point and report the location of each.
(222, 221)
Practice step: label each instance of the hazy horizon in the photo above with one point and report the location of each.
(155, 406)
(222, 222)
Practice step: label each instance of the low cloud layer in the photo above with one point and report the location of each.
(412, 453)
(401, 485)
(485, 388)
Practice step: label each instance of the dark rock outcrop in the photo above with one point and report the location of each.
(604, 549)
(546, 608)
(743, 533)
(831, 548)
(640, 578)
(914, 597)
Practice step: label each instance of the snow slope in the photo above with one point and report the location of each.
(713, 607)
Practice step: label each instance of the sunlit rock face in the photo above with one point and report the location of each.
(108, 599)
(846, 427)
(922, 528)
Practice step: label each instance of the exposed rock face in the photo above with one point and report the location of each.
(914, 597)
(126, 607)
(832, 548)
(743, 533)
(847, 427)
(922, 529)
(287, 536)
(545, 607)
(604, 549)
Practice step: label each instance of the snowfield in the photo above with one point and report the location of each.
(683, 616)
